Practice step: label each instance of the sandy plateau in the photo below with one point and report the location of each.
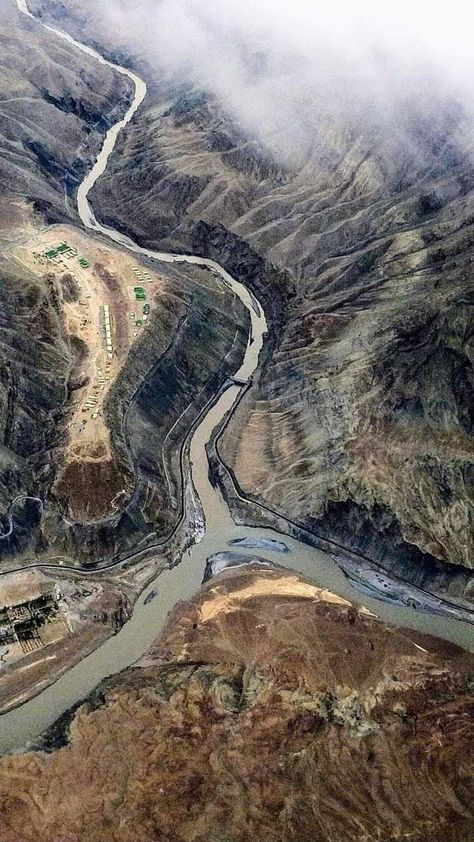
(106, 297)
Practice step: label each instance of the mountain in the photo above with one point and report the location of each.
(268, 709)
(361, 417)
(54, 107)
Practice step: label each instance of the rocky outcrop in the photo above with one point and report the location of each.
(55, 105)
(269, 709)
(364, 400)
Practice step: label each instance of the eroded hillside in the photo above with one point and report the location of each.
(362, 417)
(50, 126)
(89, 431)
(55, 104)
(361, 420)
(255, 717)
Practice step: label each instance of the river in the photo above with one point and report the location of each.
(26, 722)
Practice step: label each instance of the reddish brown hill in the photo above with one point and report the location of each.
(268, 710)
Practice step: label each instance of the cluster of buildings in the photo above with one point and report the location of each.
(22, 623)
(108, 332)
(141, 275)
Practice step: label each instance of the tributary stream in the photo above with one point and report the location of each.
(28, 721)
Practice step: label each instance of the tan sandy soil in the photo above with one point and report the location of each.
(84, 292)
(266, 711)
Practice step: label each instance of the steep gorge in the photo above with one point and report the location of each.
(271, 708)
(196, 334)
(49, 132)
(360, 420)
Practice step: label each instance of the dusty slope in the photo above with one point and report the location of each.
(361, 421)
(268, 710)
(55, 104)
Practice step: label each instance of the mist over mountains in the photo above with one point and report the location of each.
(323, 159)
(285, 72)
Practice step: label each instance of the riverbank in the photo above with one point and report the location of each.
(184, 579)
(449, 586)
(268, 687)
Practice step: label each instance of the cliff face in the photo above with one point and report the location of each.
(361, 420)
(269, 709)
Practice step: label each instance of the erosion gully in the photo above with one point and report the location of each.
(26, 722)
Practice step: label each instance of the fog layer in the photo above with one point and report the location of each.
(284, 69)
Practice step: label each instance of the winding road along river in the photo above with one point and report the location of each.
(26, 722)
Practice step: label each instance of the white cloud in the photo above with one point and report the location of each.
(281, 67)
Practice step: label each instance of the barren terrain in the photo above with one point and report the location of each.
(360, 421)
(49, 134)
(360, 418)
(99, 291)
(268, 710)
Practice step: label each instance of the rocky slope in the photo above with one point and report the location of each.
(269, 709)
(361, 421)
(55, 104)
(54, 107)
(33, 373)
(194, 341)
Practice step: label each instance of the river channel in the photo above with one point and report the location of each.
(28, 721)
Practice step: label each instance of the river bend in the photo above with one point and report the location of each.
(26, 722)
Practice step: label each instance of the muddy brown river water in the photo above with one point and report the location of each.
(180, 582)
